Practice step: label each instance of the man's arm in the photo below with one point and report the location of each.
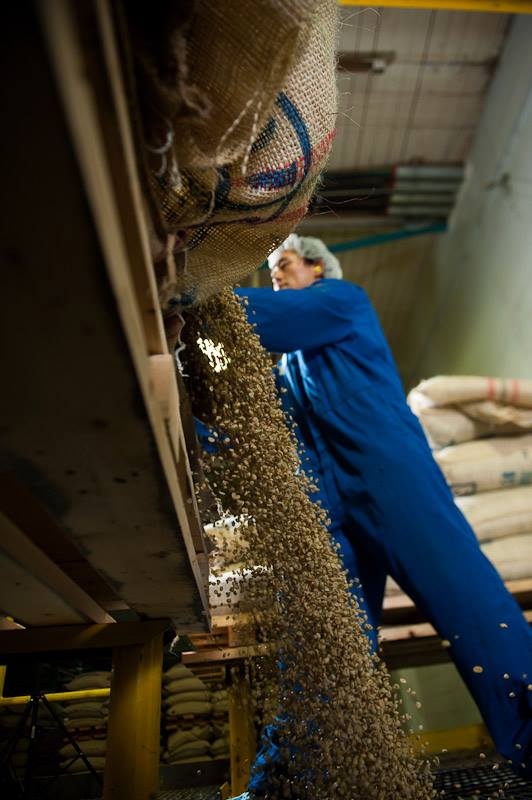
(301, 319)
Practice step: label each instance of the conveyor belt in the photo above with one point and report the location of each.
(482, 783)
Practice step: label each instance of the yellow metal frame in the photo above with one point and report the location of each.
(52, 697)
(467, 737)
(492, 6)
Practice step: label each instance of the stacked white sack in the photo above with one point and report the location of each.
(195, 718)
(500, 514)
(487, 464)
(87, 721)
(479, 429)
(455, 409)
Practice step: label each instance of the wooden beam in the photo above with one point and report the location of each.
(82, 427)
(80, 637)
(493, 6)
(30, 516)
(92, 91)
(24, 595)
(242, 740)
(226, 654)
(133, 733)
(17, 546)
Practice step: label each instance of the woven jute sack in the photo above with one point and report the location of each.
(498, 514)
(444, 390)
(239, 173)
(487, 464)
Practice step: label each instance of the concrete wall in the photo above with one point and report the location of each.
(473, 310)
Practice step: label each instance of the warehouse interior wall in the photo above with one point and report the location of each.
(473, 307)
(474, 299)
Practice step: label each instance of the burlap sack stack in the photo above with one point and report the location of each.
(481, 432)
(195, 718)
(87, 721)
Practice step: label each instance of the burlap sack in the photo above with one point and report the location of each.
(500, 418)
(495, 515)
(191, 759)
(220, 747)
(189, 708)
(90, 708)
(91, 747)
(179, 738)
(487, 464)
(234, 168)
(199, 747)
(454, 409)
(445, 426)
(511, 557)
(90, 680)
(445, 390)
(97, 762)
(185, 697)
(80, 723)
(179, 685)
(176, 672)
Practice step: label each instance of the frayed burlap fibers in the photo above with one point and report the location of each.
(238, 105)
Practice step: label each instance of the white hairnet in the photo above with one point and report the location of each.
(311, 248)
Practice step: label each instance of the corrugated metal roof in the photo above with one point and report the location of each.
(426, 103)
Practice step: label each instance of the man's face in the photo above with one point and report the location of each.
(292, 272)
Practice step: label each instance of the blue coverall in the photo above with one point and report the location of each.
(390, 506)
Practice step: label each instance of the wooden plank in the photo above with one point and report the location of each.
(26, 597)
(88, 73)
(133, 734)
(81, 425)
(226, 654)
(31, 559)
(80, 637)
(242, 738)
(21, 507)
(399, 609)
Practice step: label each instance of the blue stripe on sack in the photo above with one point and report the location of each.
(286, 176)
(265, 136)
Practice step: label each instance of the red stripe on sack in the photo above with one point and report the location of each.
(492, 393)
(515, 392)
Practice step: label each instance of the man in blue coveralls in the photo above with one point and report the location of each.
(390, 508)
